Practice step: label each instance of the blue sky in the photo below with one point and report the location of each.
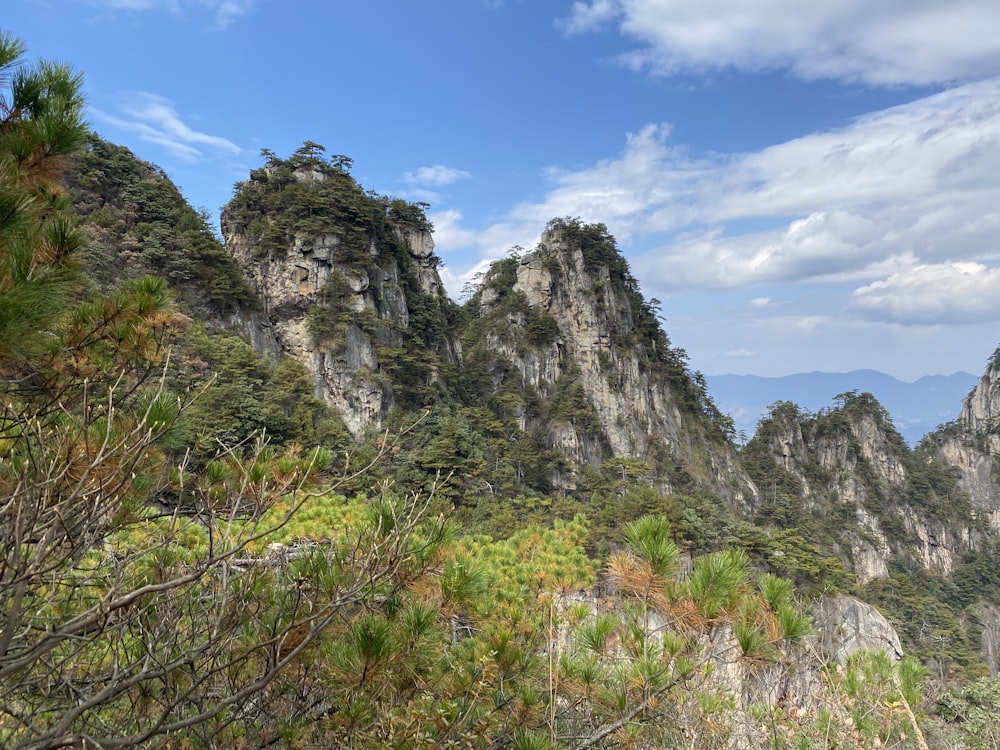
(804, 186)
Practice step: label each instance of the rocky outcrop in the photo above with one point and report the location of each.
(256, 326)
(850, 465)
(974, 460)
(971, 444)
(359, 285)
(845, 625)
(794, 682)
(981, 408)
(598, 342)
(989, 650)
(869, 548)
(631, 410)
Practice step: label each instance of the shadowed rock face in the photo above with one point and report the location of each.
(971, 444)
(989, 652)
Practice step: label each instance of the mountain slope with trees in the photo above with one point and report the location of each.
(540, 534)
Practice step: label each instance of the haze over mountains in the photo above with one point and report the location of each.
(916, 407)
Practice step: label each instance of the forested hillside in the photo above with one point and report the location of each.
(276, 490)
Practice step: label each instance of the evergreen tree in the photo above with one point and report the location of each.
(122, 622)
(40, 125)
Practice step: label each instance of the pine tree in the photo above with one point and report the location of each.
(41, 123)
(136, 597)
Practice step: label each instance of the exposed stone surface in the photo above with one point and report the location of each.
(346, 372)
(981, 409)
(257, 328)
(869, 551)
(846, 625)
(989, 652)
(850, 457)
(971, 444)
(638, 413)
(976, 464)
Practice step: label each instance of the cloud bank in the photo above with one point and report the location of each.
(883, 43)
(896, 198)
(932, 295)
(435, 176)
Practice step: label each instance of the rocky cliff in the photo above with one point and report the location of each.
(971, 444)
(567, 324)
(556, 376)
(873, 498)
(970, 447)
(348, 283)
(916, 527)
(559, 345)
(557, 371)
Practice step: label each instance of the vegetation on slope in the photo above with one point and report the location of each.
(136, 222)
(928, 610)
(132, 222)
(155, 596)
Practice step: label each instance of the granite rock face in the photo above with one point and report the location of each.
(599, 349)
(316, 270)
(971, 444)
(845, 625)
(850, 466)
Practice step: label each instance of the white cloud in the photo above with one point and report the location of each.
(462, 285)
(228, 11)
(435, 176)
(154, 120)
(421, 195)
(911, 186)
(647, 174)
(882, 43)
(223, 12)
(448, 234)
(819, 245)
(956, 293)
(741, 353)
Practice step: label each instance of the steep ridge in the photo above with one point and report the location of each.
(557, 371)
(349, 287)
(971, 444)
(873, 497)
(916, 527)
(566, 324)
(348, 282)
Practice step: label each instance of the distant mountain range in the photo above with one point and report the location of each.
(916, 408)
